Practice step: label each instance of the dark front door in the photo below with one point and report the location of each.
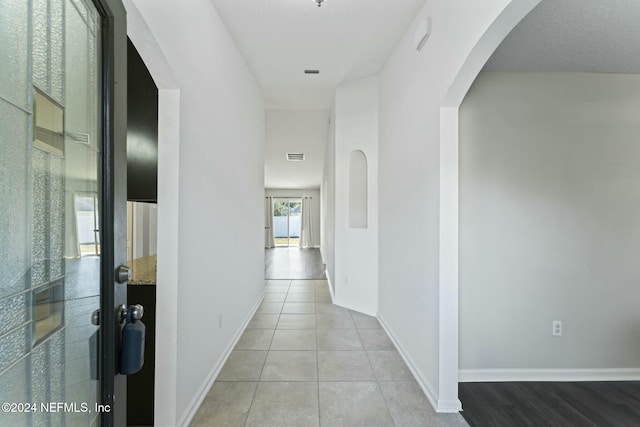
(62, 211)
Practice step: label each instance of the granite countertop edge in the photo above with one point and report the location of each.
(141, 282)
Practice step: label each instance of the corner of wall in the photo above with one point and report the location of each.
(418, 148)
(356, 249)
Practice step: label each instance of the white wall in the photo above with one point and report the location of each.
(356, 249)
(315, 207)
(417, 149)
(550, 221)
(220, 268)
(358, 202)
(295, 131)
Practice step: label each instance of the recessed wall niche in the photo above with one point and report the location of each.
(357, 189)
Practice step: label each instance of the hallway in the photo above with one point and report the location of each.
(303, 361)
(293, 263)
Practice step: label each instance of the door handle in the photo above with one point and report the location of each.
(95, 317)
(123, 274)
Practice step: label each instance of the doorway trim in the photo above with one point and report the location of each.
(448, 295)
(166, 363)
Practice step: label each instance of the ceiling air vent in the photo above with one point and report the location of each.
(312, 71)
(295, 157)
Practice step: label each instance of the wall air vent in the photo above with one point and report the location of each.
(295, 157)
(312, 71)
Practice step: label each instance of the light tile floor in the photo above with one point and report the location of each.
(304, 362)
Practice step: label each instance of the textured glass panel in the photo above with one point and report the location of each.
(78, 369)
(14, 346)
(40, 44)
(56, 357)
(81, 351)
(82, 277)
(81, 273)
(14, 229)
(57, 50)
(39, 381)
(14, 53)
(14, 311)
(15, 388)
(78, 393)
(56, 201)
(80, 8)
(39, 245)
(57, 419)
(92, 91)
(93, 19)
(78, 110)
(40, 419)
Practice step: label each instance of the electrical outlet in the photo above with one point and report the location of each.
(556, 328)
(220, 320)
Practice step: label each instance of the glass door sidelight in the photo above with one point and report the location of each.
(295, 216)
(57, 210)
(281, 222)
(286, 221)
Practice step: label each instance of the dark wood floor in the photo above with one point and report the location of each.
(581, 404)
(293, 263)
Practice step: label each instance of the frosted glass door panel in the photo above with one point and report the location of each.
(49, 47)
(14, 196)
(15, 83)
(50, 143)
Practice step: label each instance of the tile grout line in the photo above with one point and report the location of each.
(253, 398)
(386, 404)
(255, 391)
(366, 352)
(315, 329)
(261, 370)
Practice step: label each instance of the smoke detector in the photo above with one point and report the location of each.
(319, 2)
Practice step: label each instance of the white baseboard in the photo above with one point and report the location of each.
(195, 403)
(425, 385)
(569, 375)
(449, 406)
(326, 273)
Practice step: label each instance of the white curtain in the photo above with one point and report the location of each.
(305, 227)
(268, 222)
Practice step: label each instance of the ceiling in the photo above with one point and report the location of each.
(295, 131)
(345, 39)
(592, 36)
(351, 39)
